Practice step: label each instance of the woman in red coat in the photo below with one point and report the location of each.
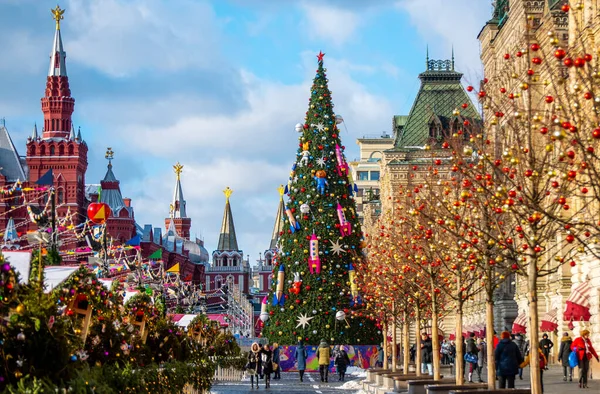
(585, 352)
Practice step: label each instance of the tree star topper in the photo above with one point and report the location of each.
(303, 320)
(57, 14)
(320, 56)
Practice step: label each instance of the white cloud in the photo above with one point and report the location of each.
(177, 34)
(23, 50)
(251, 150)
(335, 24)
(451, 23)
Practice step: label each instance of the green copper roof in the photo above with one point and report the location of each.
(439, 95)
(400, 120)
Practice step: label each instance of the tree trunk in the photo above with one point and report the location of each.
(418, 345)
(406, 342)
(458, 364)
(534, 338)
(489, 339)
(435, 339)
(385, 345)
(394, 339)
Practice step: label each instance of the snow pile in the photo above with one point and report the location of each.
(351, 385)
(356, 372)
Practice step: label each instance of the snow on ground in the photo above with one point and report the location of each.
(356, 372)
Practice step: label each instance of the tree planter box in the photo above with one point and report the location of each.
(445, 388)
(418, 386)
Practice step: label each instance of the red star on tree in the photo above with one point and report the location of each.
(320, 56)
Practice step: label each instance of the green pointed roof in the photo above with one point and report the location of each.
(440, 94)
(227, 236)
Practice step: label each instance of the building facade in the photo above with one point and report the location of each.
(514, 25)
(228, 265)
(366, 171)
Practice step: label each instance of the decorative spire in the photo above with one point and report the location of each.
(227, 237)
(109, 155)
(227, 193)
(79, 134)
(58, 67)
(278, 219)
(34, 134)
(72, 136)
(427, 58)
(452, 57)
(178, 204)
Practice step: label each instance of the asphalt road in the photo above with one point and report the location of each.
(289, 383)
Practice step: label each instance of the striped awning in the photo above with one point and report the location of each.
(520, 324)
(578, 303)
(549, 322)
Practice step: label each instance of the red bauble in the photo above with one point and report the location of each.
(535, 47)
(570, 238)
(588, 95)
(596, 133)
(503, 90)
(469, 88)
(549, 99)
(565, 7)
(587, 57)
(568, 62)
(519, 54)
(465, 105)
(560, 53)
(98, 212)
(579, 62)
(544, 130)
(537, 60)
(506, 56)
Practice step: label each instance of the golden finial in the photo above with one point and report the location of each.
(227, 193)
(57, 15)
(178, 168)
(109, 155)
(281, 191)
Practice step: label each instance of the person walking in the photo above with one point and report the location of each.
(471, 355)
(508, 358)
(542, 366)
(546, 345)
(266, 358)
(523, 348)
(254, 363)
(585, 351)
(426, 354)
(481, 358)
(563, 356)
(445, 352)
(324, 356)
(276, 362)
(301, 356)
(380, 356)
(341, 362)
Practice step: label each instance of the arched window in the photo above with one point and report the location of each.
(60, 196)
(218, 281)
(53, 125)
(32, 150)
(61, 150)
(42, 150)
(71, 150)
(52, 150)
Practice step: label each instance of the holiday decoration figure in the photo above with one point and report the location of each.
(314, 261)
(305, 154)
(345, 226)
(294, 225)
(320, 177)
(279, 298)
(312, 258)
(297, 285)
(341, 166)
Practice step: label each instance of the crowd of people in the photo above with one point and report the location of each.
(264, 361)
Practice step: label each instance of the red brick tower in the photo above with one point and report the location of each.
(177, 212)
(59, 148)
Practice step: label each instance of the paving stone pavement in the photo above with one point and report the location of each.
(290, 383)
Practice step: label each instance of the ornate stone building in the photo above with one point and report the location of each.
(514, 26)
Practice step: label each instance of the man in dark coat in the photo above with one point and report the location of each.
(508, 358)
(563, 356)
(546, 344)
(426, 354)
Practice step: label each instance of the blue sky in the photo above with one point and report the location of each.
(219, 85)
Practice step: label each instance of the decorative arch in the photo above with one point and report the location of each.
(42, 150)
(32, 150)
(71, 150)
(218, 281)
(60, 195)
(61, 149)
(52, 150)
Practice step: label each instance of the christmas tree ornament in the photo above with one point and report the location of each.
(314, 261)
(297, 284)
(299, 127)
(341, 167)
(305, 209)
(321, 179)
(303, 320)
(294, 225)
(345, 226)
(264, 315)
(279, 298)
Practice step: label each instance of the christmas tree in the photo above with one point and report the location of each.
(313, 294)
